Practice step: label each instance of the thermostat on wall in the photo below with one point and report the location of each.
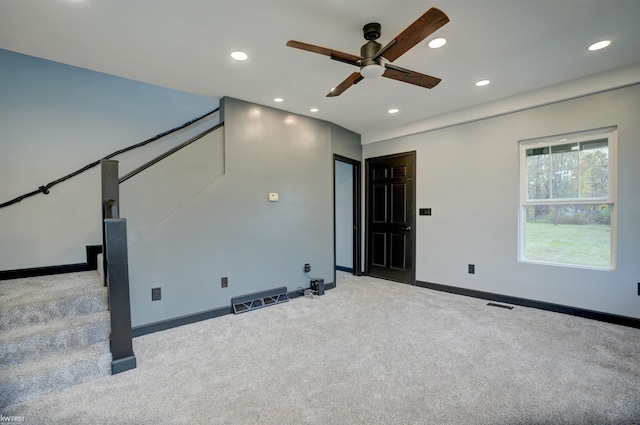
(273, 197)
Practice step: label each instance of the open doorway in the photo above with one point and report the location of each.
(347, 215)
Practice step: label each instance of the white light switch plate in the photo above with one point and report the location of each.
(273, 197)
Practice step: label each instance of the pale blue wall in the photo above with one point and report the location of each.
(344, 214)
(230, 229)
(198, 216)
(55, 119)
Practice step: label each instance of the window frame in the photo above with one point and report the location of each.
(609, 133)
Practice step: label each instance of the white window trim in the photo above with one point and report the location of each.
(611, 133)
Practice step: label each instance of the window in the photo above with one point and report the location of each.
(567, 199)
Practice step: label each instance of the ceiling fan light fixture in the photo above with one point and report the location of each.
(372, 71)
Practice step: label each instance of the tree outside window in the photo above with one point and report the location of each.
(567, 199)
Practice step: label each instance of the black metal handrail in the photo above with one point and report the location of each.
(45, 188)
(168, 153)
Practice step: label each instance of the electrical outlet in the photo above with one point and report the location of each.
(156, 294)
(307, 268)
(224, 282)
(472, 268)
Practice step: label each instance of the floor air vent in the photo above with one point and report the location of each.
(256, 300)
(508, 307)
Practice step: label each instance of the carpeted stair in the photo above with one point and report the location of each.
(54, 332)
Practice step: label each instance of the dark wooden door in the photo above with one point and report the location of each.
(391, 217)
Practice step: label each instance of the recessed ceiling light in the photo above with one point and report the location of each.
(482, 83)
(599, 45)
(314, 109)
(278, 99)
(393, 110)
(239, 56)
(437, 43)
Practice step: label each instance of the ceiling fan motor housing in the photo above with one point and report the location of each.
(372, 31)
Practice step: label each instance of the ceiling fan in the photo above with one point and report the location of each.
(375, 61)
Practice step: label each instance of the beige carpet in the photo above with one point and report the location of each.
(368, 352)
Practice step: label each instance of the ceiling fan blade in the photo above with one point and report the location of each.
(424, 26)
(411, 77)
(352, 79)
(333, 54)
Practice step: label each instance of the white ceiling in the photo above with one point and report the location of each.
(520, 45)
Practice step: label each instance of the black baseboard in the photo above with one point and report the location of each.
(344, 269)
(180, 321)
(299, 293)
(92, 256)
(122, 365)
(91, 264)
(198, 317)
(558, 308)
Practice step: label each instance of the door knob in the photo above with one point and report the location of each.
(406, 229)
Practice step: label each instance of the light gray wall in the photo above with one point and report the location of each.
(55, 119)
(345, 142)
(344, 213)
(468, 175)
(230, 229)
